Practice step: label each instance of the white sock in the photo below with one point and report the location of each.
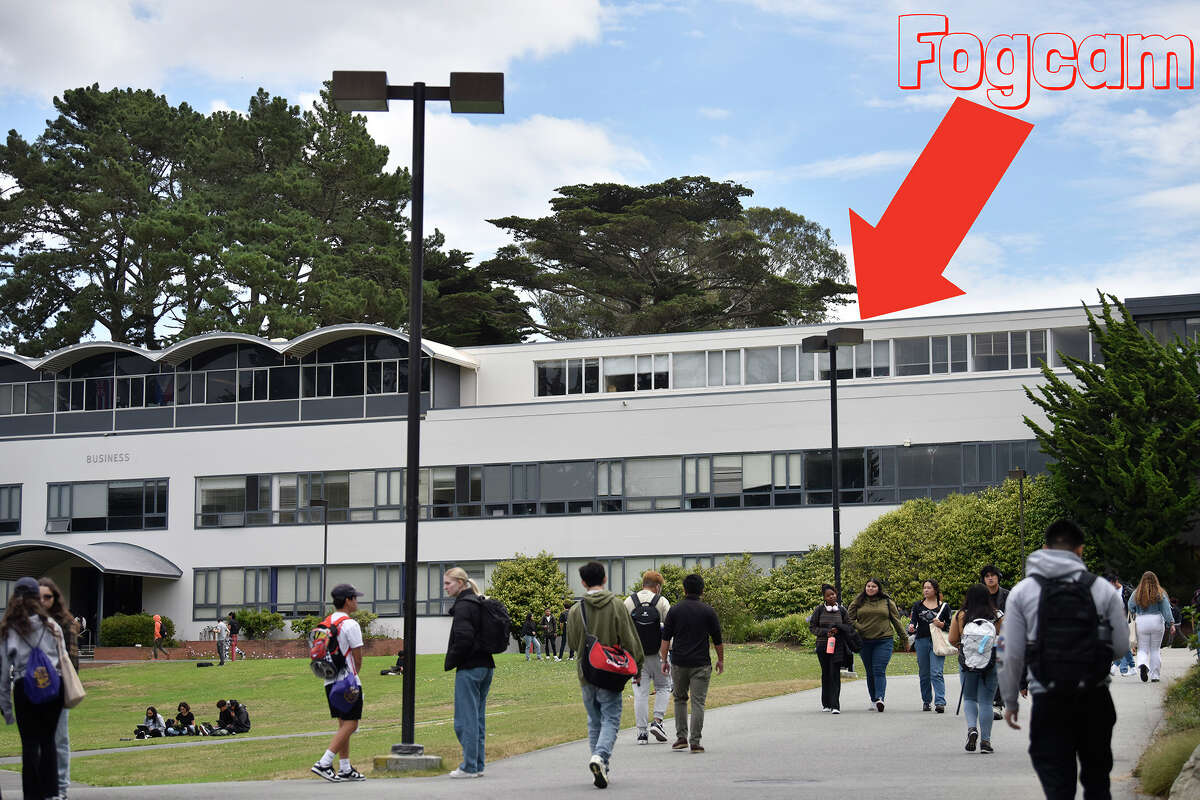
(344, 764)
(327, 759)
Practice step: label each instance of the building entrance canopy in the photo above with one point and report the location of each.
(21, 558)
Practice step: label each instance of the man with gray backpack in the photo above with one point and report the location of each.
(649, 608)
(974, 631)
(1065, 627)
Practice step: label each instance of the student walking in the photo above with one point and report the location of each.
(529, 634)
(235, 628)
(689, 627)
(830, 623)
(974, 631)
(474, 667)
(222, 640)
(1124, 666)
(562, 633)
(52, 601)
(347, 635)
(1151, 610)
(608, 621)
(648, 609)
(30, 639)
(550, 634)
(926, 612)
(159, 638)
(1068, 663)
(875, 617)
(990, 577)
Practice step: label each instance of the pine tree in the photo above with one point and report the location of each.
(1125, 443)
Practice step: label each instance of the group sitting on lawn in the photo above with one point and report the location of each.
(232, 717)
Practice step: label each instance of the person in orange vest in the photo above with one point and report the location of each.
(158, 638)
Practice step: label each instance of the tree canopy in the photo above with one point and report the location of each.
(1124, 437)
(154, 222)
(680, 255)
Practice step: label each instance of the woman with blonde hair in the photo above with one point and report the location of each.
(1152, 617)
(474, 666)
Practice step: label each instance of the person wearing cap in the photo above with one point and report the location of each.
(349, 644)
(25, 627)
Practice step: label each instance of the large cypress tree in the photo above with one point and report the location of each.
(1125, 443)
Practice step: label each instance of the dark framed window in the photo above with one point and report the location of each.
(10, 509)
(107, 506)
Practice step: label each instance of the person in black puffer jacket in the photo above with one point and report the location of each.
(475, 668)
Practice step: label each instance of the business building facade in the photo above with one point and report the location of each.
(180, 481)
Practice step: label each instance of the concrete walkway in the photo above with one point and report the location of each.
(782, 747)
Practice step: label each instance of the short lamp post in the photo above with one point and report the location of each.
(829, 343)
(324, 506)
(468, 92)
(1017, 474)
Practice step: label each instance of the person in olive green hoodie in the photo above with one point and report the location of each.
(875, 617)
(611, 624)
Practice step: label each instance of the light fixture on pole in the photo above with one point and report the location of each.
(829, 343)
(324, 506)
(1017, 474)
(471, 93)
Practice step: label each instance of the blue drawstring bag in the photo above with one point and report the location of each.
(345, 692)
(41, 680)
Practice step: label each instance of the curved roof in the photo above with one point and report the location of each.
(179, 352)
(36, 557)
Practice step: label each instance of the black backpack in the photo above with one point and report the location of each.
(1073, 651)
(647, 623)
(494, 625)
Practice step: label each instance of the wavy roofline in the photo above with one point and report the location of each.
(182, 350)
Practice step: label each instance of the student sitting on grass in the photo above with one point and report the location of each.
(152, 727)
(184, 723)
(234, 718)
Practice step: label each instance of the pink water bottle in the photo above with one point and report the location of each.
(829, 645)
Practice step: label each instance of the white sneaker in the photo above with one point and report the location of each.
(599, 771)
(459, 773)
(834, 711)
(1114, 671)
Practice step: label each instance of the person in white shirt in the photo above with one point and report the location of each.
(649, 610)
(349, 649)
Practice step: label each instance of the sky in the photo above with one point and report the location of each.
(796, 99)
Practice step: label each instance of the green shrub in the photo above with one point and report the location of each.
(791, 629)
(1162, 761)
(258, 623)
(530, 585)
(127, 630)
(303, 626)
(794, 587)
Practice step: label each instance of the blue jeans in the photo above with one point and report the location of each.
(470, 722)
(604, 719)
(532, 643)
(978, 690)
(1125, 662)
(876, 653)
(930, 667)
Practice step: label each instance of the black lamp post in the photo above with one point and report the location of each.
(468, 92)
(1017, 474)
(829, 343)
(324, 506)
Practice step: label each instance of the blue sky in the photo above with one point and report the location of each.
(797, 99)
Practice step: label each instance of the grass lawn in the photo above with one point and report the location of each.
(531, 705)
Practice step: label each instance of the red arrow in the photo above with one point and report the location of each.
(899, 263)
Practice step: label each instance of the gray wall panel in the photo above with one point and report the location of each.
(277, 411)
(446, 384)
(216, 414)
(142, 418)
(83, 422)
(27, 425)
(332, 408)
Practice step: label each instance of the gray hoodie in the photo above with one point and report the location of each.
(1020, 623)
(15, 655)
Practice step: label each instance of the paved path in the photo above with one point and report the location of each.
(782, 747)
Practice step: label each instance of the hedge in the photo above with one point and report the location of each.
(127, 630)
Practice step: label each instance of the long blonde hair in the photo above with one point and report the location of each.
(461, 574)
(1148, 591)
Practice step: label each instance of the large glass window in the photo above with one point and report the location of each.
(991, 351)
(106, 506)
(619, 374)
(690, 370)
(1072, 342)
(762, 365)
(10, 509)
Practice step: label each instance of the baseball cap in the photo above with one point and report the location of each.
(27, 586)
(343, 591)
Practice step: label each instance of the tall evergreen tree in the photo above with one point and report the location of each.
(680, 255)
(1125, 443)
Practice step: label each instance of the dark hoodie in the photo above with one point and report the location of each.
(608, 620)
(463, 651)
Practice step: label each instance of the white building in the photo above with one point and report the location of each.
(178, 481)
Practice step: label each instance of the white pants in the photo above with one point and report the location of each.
(651, 673)
(1150, 629)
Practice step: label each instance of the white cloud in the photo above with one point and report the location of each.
(48, 47)
(694, 34)
(475, 171)
(714, 113)
(1178, 201)
(1167, 142)
(837, 167)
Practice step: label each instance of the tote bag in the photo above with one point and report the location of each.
(73, 692)
(939, 639)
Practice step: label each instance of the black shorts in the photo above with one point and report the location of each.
(354, 713)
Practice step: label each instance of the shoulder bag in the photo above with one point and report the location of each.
(939, 638)
(604, 666)
(73, 692)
